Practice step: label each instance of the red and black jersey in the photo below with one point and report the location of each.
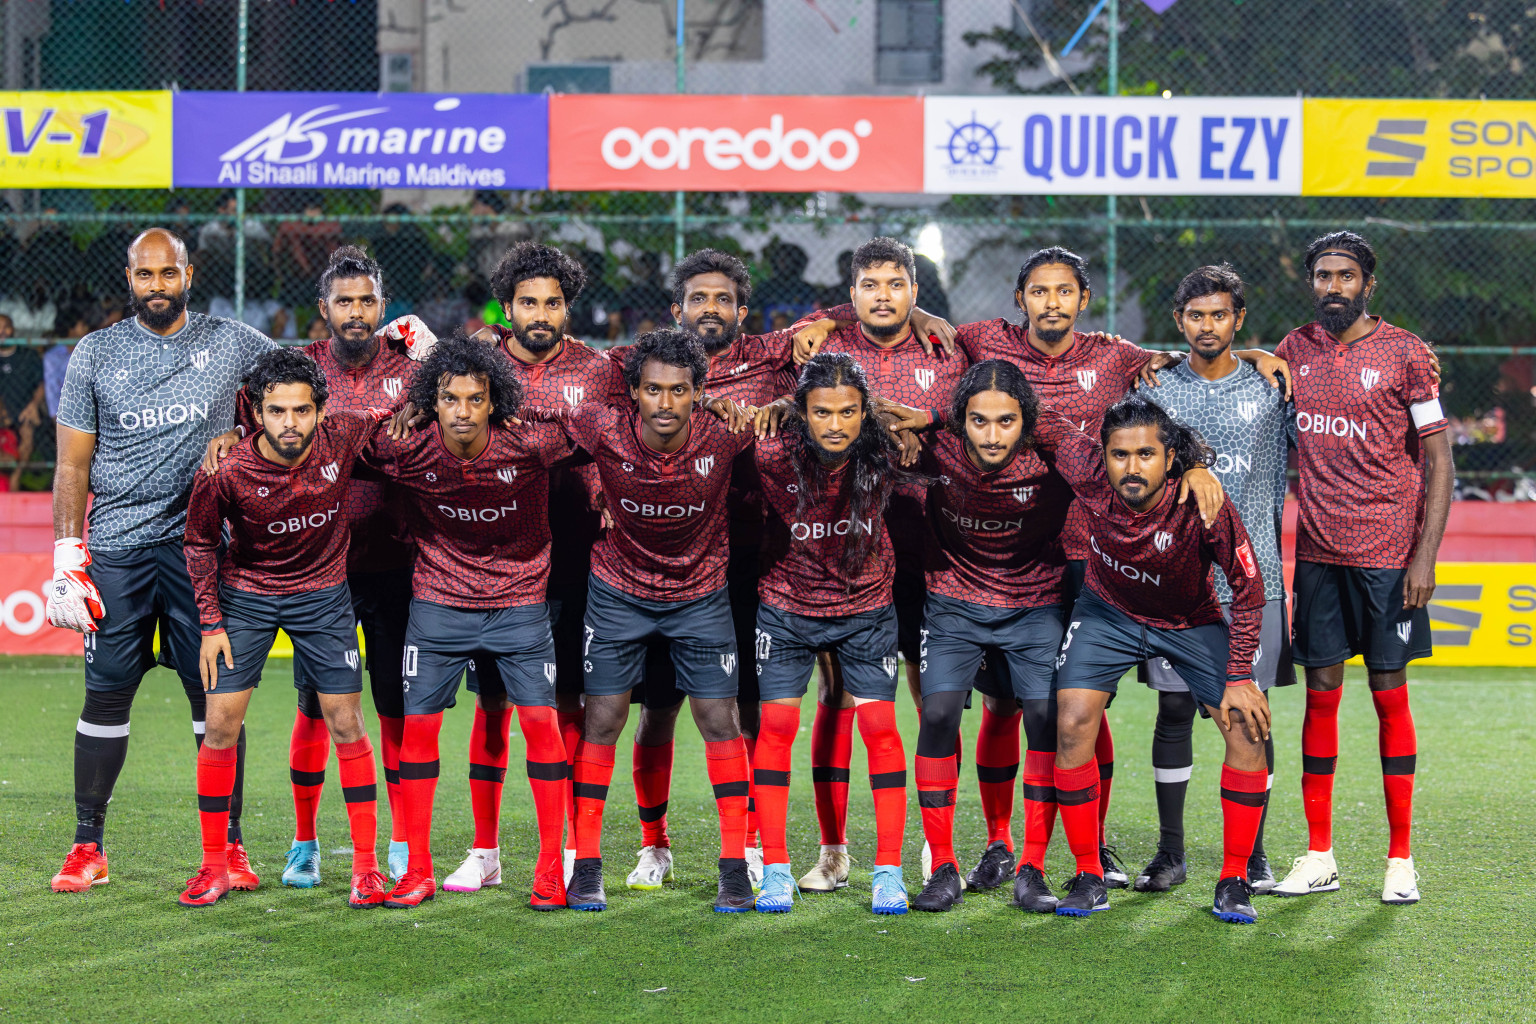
(669, 511)
(803, 547)
(481, 525)
(288, 525)
(1361, 411)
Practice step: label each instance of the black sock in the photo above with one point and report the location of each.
(1269, 761)
(101, 747)
(1173, 757)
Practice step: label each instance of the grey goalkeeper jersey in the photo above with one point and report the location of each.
(154, 404)
(1248, 423)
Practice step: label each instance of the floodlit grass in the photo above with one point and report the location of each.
(127, 952)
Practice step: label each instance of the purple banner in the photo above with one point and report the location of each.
(360, 140)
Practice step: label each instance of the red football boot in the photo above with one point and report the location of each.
(368, 889)
(414, 888)
(205, 888)
(548, 892)
(240, 874)
(84, 867)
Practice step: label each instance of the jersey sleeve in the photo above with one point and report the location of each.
(1076, 457)
(77, 399)
(548, 441)
(1421, 393)
(843, 313)
(252, 343)
(1233, 551)
(205, 523)
(1129, 359)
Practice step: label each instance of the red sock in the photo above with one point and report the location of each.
(937, 778)
(727, 762)
(887, 777)
(548, 777)
(1039, 805)
(570, 735)
(831, 759)
(308, 749)
(653, 789)
(594, 774)
(770, 777)
(751, 742)
(418, 784)
(1242, 805)
(390, 730)
(1319, 756)
(1104, 753)
(215, 782)
(488, 739)
(360, 789)
(1077, 797)
(1399, 754)
(997, 765)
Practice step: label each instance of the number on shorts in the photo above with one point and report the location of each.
(1066, 642)
(408, 661)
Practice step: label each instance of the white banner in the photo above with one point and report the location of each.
(1103, 145)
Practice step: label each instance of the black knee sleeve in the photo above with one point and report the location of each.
(1040, 725)
(309, 703)
(108, 707)
(941, 721)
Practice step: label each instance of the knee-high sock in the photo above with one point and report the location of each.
(101, 746)
(1104, 753)
(488, 739)
(1173, 760)
(547, 777)
(1077, 797)
(570, 735)
(1039, 806)
(653, 790)
(751, 742)
(937, 778)
(831, 758)
(215, 781)
(997, 766)
(1399, 754)
(887, 777)
(309, 748)
(390, 731)
(1319, 757)
(594, 774)
(727, 762)
(1242, 804)
(419, 768)
(770, 777)
(360, 789)
(199, 704)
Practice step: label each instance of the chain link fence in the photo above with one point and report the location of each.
(1456, 271)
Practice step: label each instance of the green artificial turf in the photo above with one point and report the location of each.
(127, 952)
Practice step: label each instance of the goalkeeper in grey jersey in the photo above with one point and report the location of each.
(1249, 423)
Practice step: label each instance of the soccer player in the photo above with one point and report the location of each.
(478, 505)
(827, 479)
(1246, 422)
(1374, 493)
(140, 403)
(1147, 593)
(659, 573)
(282, 491)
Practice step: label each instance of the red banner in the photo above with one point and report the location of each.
(736, 143)
(24, 629)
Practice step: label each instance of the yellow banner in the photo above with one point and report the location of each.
(85, 140)
(1483, 614)
(1419, 148)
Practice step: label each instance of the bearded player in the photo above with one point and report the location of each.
(1375, 492)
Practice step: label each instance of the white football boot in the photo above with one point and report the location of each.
(480, 868)
(1314, 871)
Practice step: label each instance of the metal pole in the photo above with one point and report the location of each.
(1111, 242)
(242, 37)
(678, 206)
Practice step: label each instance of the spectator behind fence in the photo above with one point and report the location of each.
(646, 298)
(595, 315)
(301, 249)
(410, 259)
(488, 240)
(836, 293)
(32, 313)
(786, 289)
(935, 299)
(22, 402)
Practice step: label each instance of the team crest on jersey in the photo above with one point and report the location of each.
(549, 673)
(1404, 631)
(352, 660)
(199, 359)
(925, 377)
(1369, 377)
(728, 663)
(1247, 410)
(1249, 563)
(330, 472)
(1258, 653)
(764, 645)
(1023, 494)
(392, 386)
(1086, 379)
(574, 393)
(739, 369)
(1162, 539)
(703, 465)
(507, 474)
(890, 664)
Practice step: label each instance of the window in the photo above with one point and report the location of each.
(909, 41)
(569, 78)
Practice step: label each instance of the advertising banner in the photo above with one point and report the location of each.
(1435, 148)
(24, 627)
(86, 140)
(361, 140)
(1112, 145)
(737, 143)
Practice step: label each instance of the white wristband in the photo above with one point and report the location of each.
(69, 553)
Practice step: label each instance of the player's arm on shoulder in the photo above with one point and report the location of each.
(1210, 497)
(1270, 366)
(1075, 457)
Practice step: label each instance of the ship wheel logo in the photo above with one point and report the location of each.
(973, 144)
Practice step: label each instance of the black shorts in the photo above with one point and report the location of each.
(1102, 643)
(142, 589)
(786, 645)
(1072, 584)
(741, 576)
(909, 595)
(1342, 611)
(320, 624)
(381, 601)
(700, 634)
(1019, 646)
(566, 612)
(441, 641)
(1272, 664)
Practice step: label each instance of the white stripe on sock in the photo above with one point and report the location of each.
(85, 728)
(1172, 774)
(199, 728)
(1270, 784)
